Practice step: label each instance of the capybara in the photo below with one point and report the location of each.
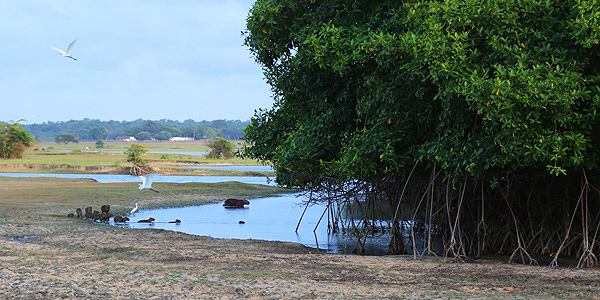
(149, 220)
(120, 219)
(177, 221)
(79, 212)
(88, 212)
(235, 202)
(105, 208)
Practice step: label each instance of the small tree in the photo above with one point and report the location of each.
(221, 148)
(14, 140)
(100, 144)
(134, 154)
(65, 138)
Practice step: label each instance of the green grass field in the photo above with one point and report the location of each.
(75, 155)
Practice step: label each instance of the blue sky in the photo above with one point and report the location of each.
(149, 59)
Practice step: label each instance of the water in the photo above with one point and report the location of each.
(238, 168)
(273, 219)
(108, 178)
(193, 153)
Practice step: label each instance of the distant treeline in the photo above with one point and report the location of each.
(93, 129)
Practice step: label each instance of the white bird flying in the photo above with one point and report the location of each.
(147, 182)
(134, 209)
(68, 52)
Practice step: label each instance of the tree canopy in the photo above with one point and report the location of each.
(65, 138)
(93, 129)
(14, 140)
(470, 90)
(371, 87)
(221, 148)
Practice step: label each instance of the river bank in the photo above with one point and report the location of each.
(46, 255)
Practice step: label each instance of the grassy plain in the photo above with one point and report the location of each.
(75, 158)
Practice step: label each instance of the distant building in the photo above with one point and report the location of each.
(125, 139)
(181, 139)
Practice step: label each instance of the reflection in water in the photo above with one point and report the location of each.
(273, 219)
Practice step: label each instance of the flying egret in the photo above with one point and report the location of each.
(147, 182)
(134, 209)
(68, 52)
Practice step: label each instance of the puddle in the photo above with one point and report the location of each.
(22, 238)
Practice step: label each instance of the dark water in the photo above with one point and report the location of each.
(107, 178)
(273, 219)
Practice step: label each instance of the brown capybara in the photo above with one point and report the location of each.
(105, 208)
(120, 219)
(235, 203)
(79, 212)
(149, 220)
(88, 212)
(71, 215)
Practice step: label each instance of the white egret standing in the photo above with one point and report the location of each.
(134, 209)
(68, 52)
(147, 182)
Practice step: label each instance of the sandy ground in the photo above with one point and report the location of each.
(45, 255)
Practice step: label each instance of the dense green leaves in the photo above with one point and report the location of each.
(365, 89)
(221, 148)
(134, 154)
(14, 140)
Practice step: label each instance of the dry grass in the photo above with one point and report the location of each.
(78, 259)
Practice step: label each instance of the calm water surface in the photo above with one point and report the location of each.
(108, 178)
(237, 168)
(273, 219)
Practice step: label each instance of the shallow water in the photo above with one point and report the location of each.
(193, 153)
(237, 168)
(109, 178)
(273, 218)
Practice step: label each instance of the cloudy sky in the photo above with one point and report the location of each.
(149, 59)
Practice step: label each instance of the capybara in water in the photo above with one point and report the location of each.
(105, 208)
(79, 212)
(120, 219)
(235, 202)
(177, 221)
(149, 220)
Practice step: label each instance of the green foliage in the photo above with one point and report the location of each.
(99, 144)
(221, 148)
(91, 129)
(163, 135)
(365, 89)
(98, 133)
(65, 138)
(14, 140)
(143, 136)
(134, 154)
